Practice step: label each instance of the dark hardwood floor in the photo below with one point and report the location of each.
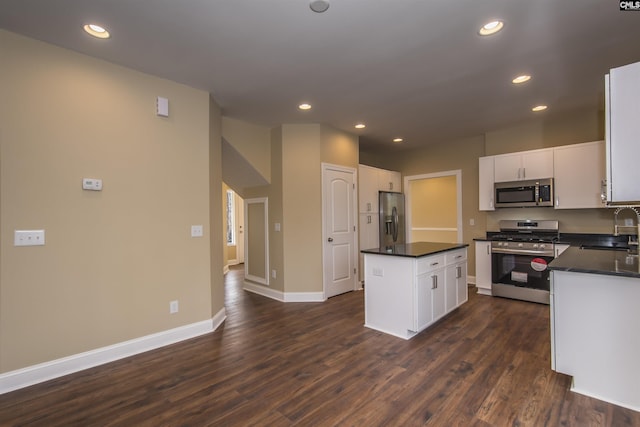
(315, 364)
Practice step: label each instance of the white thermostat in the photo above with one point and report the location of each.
(92, 184)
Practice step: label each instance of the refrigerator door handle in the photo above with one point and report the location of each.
(394, 213)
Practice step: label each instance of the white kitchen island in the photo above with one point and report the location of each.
(410, 286)
(595, 323)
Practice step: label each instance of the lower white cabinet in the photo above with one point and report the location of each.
(404, 295)
(483, 267)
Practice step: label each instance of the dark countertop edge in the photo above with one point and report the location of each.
(452, 247)
(570, 260)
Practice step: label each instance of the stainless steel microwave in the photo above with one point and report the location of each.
(534, 192)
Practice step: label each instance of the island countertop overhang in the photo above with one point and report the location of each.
(415, 249)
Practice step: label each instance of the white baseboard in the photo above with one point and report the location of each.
(225, 269)
(283, 296)
(35, 374)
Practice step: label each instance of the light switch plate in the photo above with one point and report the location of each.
(28, 238)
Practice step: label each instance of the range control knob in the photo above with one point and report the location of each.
(542, 246)
(535, 246)
(520, 245)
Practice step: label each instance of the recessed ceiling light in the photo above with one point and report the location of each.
(97, 31)
(319, 6)
(398, 139)
(304, 106)
(539, 108)
(360, 126)
(521, 79)
(491, 28)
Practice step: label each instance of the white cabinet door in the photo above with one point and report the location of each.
(622, 129)
(367, 189)
(461, 283)
(483, 267)
(535, 164)
(579, 171)
(424, 301)
(508, 167)
(451, 288)
(368, 236)
(485, 183)
(389, 180)
(438, 286)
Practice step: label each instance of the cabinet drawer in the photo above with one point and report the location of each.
(430, 263)
(455, 256)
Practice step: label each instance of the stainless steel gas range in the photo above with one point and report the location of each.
(520, 256)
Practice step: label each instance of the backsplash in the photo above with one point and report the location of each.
(598, 221)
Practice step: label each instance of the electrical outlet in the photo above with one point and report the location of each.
(197, 231)
(173, 307)
(273, 274)
(28, 238)
(378, 272)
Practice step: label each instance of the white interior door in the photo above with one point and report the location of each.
(240, 229)
(339, 230)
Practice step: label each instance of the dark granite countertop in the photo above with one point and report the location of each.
(597, 261)
(416, 249)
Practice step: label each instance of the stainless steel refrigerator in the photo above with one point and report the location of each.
(392, 230)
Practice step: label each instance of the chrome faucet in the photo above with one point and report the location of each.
(635, 229)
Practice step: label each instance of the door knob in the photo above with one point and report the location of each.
(330, 239)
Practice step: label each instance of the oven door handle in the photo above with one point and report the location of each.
(521, 252)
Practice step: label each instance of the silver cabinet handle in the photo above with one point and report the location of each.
(434, 263)
(434, 282)
(458, 272)
(330, 239)
(368, 206)
(488, 249)
(524, 173)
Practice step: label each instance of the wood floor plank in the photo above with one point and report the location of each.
(315, 364)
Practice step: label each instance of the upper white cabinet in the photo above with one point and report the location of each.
(485, 183)
(579, 171)
(389, 180)
(622, 91)
(534, 164)
(370, 181)
(368, 189)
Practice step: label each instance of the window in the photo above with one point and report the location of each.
(231, 218)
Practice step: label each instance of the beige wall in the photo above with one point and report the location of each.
(338, 147)
(571, 128)
(113, 259)
(251, 141)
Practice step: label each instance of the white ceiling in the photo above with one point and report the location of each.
(410, 68)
